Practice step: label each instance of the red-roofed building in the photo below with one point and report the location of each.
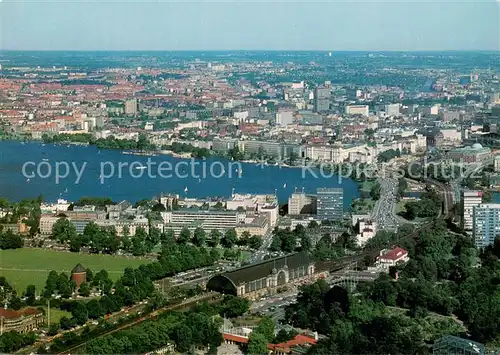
(288, 347)
(392, 257)
(234, 339)
(275, 349)
(21, 321)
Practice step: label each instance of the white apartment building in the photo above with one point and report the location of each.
(469, 200)
(486, 224)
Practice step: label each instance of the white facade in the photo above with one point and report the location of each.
(486, 224)
(497, 164)
(469, 200)
(392, 109)
(357, 110)
(284, 118)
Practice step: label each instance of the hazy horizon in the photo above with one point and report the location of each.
(204, 25)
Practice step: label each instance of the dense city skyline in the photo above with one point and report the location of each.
(204, 25)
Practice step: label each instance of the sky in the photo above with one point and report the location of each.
(331, 25)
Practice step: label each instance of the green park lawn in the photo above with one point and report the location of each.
(56, 314)
(22, 267)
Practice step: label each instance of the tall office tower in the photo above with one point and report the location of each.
(469, 199)
(322, 99)
(330, 203)
(486, 224)
(131, 107)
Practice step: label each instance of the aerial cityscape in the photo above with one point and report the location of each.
(187, 198)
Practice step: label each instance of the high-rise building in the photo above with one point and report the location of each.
(301, 203)
(469, 199)
(330, 203)
(322, 99)
(486, 224)
(131, 107)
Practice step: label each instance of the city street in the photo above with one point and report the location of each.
(259, 255)
(384, 212)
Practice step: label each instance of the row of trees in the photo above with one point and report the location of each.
(110, 142)
(184, 330)
(105, 239)
(12, 341)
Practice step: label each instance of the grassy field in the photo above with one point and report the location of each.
(26, 266)
(56, 315)
(400, 206)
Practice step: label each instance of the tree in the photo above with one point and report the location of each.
(30, 295)
(79, 313)
(199, 237)
(266, 328)
(84, 290)
(284, 336)
(305, 243)
(230, 238)
(15, 303)
(167, 238)
(257, 344)
(313, 225)
(183, 338)
(138, 248)
(255, 242)
(215, 237)
(159, 207)
(51, 284)
(66, 323)
(75, 244)
(53, 328)
(94, 309)
(244, 238)
(184, 236)
(63, 230)
(232, 306)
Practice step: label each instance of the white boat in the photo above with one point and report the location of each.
(28, 180)
(141, 167)
(284, 186)
(186, 189)
(45, 159)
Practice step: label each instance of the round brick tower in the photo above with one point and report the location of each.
(79, 275)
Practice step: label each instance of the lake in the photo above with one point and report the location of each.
(71, 172)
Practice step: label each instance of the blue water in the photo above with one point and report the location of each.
(496, 197)
(254, 178)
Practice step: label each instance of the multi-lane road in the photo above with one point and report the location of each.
(384, 211)
(259, 255)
